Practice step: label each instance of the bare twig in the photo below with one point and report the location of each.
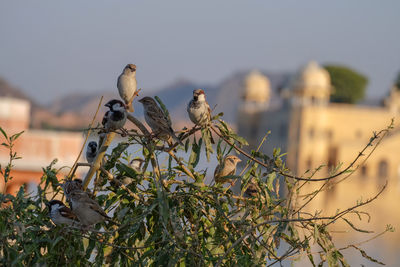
(87, 136)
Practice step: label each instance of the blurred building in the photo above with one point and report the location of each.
(315, 132)
(37, 148)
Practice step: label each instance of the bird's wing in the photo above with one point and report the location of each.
(217, 171)
(66, 212)
(105, 118)
(94, 205)
(158, 116)
(209, 111)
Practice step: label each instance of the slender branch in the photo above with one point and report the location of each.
(87, 136)
(112, 178)
(376, 135)
(331, 218)
(138, 124)
(97, 161)
(185, 170)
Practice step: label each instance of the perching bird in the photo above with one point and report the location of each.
(136, 164)
(61, 214)
(199, 112)
(251, 191)
(157, 121)
(198, 109)
(70, 186)
(91, 151)
(127, 85)
(86, 209)
(115, 118)
(227, 167)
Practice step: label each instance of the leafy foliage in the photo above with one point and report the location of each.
(170, 217)
(348, 85)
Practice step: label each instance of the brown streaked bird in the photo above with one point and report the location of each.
(136, 165)
(72, 185)
(251, 191)
(127, 85)
(198, 109)
(226, 168)
(157, 120)
(87, 210)
(61, 214)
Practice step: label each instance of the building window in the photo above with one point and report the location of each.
(311, 133)
(313, 100)
(383, 169)
(329, 135)
(364, 170)
(332, 158)
(309, 163)
(253, 131)
(282, 130)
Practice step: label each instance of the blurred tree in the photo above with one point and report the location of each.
(397, 81)
(349, 85)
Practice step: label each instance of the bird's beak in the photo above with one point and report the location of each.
(107, 105)
(141, 100)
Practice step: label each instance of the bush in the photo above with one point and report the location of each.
(168, 215)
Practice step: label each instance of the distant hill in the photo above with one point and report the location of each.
(75, 111)
(8, 90)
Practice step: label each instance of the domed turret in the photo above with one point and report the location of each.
(312, 84)
(256, 87)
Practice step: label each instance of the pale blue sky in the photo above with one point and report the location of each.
(49, 48)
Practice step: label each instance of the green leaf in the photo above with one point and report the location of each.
(15, 136)
(4, 133)
(195, 155)
(206, 134)
(164, 109)
(126, 170)
(270, 181)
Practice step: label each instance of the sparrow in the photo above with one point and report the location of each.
(61, 214)
(227, 167)
(127, 85)
(251, 191)
(136, 164)
(157, 120)
(86, 209)
(70, 186)
(114, 118)
(198, 109)
(91, 151)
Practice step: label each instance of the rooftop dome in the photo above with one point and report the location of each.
(313, 76)
(256, 87)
